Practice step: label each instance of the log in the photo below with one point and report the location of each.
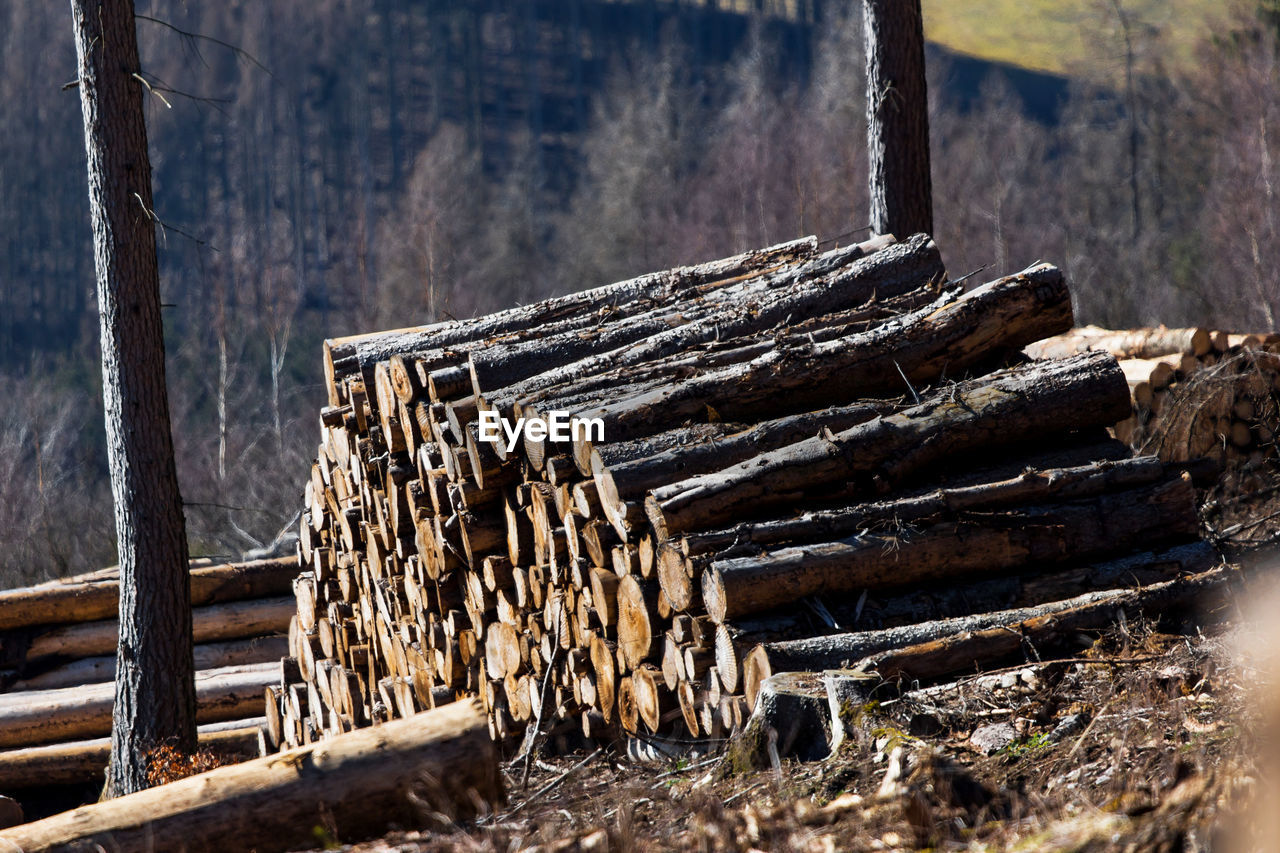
(1022, 403)
(1133, 343)
(840, 280)
(1046, 632)
(951, 335)
(356, 355)
(1038, 536)
(207, 656)
(678, 562)
(70, 713)
(80, 600)
(438, 762)
(84, 762)
(231, 621)
(843, 651)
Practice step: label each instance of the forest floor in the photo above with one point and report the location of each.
(1146, 740)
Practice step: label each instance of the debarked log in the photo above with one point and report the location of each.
(83, 762)
(71, 713)
(64, 602)
(435, 766)
(232, 621)
(100, 668)
(1045, 633)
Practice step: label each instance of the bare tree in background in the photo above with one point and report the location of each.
(155, 692)
(897, 118)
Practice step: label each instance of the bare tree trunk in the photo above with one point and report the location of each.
(155, 692)
(897, 118)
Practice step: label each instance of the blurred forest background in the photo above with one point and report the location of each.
(326, 167)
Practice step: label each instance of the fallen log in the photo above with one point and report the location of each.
(233, 621)
(101, 668)
(71, 713)
(84, 762)
(986, 544)
(1042, 634)
(63, 602)
(437, 766)
(1018, 404)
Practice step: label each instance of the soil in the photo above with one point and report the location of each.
(1145, 741)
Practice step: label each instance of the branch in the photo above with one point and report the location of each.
(193, 37)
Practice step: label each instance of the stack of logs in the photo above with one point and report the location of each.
(1196, 392)
(58, 658)
(766, 451)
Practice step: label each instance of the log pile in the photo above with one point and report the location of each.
(1196, 392)
(57, 665)
(759, 453)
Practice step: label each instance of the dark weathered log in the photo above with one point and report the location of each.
(440, 762)
(628, 481)
(679, 563)
(1047, 632)
(842, 651)
(88, 600)
(837, 281)
(987, 544)
(357, 354)
(951, 335)
(1021, 403)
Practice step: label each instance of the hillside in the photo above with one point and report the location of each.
(1074, 37)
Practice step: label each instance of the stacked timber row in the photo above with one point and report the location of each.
(1196, 392)
(58, 658)
(764, 449)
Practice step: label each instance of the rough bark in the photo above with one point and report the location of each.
(840, 280)
(357, 354)
(439, 762)
(1004, 408)
(951, 335)
(988, 544)
(155, 701)
(897, 118)
(1044, 633)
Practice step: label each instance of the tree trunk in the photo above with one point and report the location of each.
(435, 766)
(155, 697)
(897, 118)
